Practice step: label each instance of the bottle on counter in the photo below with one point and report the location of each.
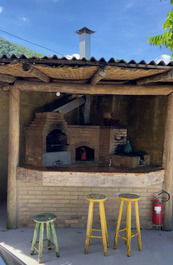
(128, 148)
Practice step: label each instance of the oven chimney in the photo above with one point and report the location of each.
(84, 42)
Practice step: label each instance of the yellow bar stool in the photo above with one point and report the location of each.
(100, 199)
(128, 199)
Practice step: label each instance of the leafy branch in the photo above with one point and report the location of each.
(165, 39)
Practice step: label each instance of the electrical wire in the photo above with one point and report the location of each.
(33, 43)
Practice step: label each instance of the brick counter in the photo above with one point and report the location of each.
(64, 193)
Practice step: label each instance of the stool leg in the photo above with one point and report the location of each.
(128, 226)
(54, 237)
(106, 228)
(126, 223)
(118, 224)
(89, 226)
(40, 251)
(48, 235)
(34, 240)
(103, 230)
(138, 225)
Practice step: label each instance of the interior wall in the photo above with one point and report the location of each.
(117, 105)
(144, 117)
(146, 124)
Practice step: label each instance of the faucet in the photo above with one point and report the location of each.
(110, 162)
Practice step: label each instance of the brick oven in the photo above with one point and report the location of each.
(50, 142)
(47, 140)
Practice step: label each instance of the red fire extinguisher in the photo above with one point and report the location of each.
(158, 207)
(83, 154)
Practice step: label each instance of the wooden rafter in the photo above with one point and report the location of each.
(69, 106)
(7, 78)
(35, 72)
(93, 90)
(167, 76)
(100, 74)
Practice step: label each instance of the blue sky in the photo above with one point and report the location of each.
(122, 26)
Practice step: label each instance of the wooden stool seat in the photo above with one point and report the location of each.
(129, 196)
(96, 197)
(128, 199)
(41, 220)
(44, 217)
(100, 199)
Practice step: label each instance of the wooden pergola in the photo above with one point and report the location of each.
(84, 78)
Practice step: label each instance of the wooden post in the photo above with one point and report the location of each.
(168, 164)
(13, 155)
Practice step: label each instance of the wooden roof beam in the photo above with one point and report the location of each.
(85, 89)
(99, 75)
(166, 76)
(7, 78)
(69, 106)
(35, 72)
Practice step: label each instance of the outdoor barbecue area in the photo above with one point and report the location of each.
(104, 133)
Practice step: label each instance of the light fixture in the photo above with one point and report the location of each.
(58, 94)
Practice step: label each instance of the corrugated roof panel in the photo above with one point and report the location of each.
(54, 60)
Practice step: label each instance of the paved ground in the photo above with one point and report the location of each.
(157, 248)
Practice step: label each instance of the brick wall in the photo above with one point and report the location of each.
(70, 204)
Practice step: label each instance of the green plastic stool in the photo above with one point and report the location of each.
(41, 220)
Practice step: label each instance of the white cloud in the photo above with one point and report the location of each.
(1, 9)
(24, 19)
(76, 55)
(164, 57)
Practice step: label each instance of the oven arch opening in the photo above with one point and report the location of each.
(56, 141)
(84, 153)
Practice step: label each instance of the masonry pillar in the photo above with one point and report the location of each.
(168, 164)
(13, 155)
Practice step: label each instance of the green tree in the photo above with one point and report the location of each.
(9, 48)
(165, 39)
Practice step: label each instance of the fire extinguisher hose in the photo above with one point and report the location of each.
(164, 195)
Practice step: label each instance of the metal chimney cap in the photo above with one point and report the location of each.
(84, 30)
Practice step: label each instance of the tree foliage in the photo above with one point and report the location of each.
(165, 39)
(8, 48)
